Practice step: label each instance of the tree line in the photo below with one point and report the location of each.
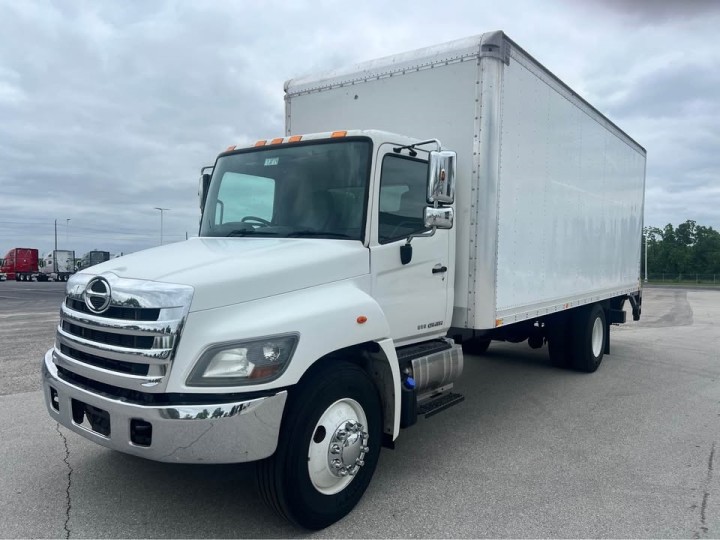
(687, 249)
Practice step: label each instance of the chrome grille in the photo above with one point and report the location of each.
(131, 344)
(105, 363)
(110, 338)
(123, 313)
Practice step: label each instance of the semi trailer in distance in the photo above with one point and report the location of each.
(416, 206)
(57, 265)
(20, 264)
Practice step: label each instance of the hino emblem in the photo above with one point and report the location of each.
(97, 295)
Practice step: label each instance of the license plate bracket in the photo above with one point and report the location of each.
(98, 419)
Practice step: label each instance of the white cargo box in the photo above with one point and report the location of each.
(550, 193)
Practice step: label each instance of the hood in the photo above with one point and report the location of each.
(225, 271)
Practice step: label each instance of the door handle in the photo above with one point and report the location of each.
(439, 269)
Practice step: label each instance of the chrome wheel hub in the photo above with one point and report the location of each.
(348, 446)
(597, 337)
(338, 446)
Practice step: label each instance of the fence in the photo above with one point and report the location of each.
(713, 279)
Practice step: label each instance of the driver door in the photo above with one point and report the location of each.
(416, 296)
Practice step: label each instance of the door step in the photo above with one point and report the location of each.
(439, 404)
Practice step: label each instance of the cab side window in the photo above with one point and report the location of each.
(403, 185)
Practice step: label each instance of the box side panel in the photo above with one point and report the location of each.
(430, 102)
(571, 191)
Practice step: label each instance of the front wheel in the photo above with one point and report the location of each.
(328, 448)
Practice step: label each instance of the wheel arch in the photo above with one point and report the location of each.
(379, 361)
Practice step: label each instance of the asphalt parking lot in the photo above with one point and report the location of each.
(533, 451)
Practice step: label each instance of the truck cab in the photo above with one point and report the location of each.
(367, 191)
(323, 257)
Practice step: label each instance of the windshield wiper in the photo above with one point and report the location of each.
(251, 232)
(316, 233)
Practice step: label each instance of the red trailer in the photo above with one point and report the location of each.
(20, 264)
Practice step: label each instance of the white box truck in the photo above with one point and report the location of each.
(57, 265)
(416, 205)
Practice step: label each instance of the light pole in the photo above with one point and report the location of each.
(67, 220)
(67, 230)
(161, 222)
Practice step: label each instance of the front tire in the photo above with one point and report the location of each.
(328, 448)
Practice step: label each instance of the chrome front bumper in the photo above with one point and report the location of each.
(222, 432)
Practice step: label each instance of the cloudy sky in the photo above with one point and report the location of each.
(109, 109)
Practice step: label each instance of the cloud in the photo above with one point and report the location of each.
(658, 10)
(111, 109)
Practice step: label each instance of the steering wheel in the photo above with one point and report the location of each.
(259, 220)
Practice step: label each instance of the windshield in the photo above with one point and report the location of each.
(298, 190)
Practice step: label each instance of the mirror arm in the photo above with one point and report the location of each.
(421, 235)
(421, 143)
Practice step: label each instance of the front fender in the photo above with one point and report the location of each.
(326, 317)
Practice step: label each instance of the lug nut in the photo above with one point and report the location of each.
(352, 472)
(365, 448)
(341, 434)
(343, 472)
(334, 448)
(359, 462)
(337, 463)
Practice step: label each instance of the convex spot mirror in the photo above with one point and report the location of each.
(441, 177)
(440, 218)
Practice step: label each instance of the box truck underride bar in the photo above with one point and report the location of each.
(418, 206)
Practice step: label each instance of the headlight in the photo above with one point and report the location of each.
(244, 362)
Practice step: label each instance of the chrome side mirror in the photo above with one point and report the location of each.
(441, 177)
(439, 218)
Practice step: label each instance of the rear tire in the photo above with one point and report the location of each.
(475, 346)
(303, 480)
(589, 338)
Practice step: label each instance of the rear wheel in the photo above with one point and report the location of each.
(589, 338)
(328, 448)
